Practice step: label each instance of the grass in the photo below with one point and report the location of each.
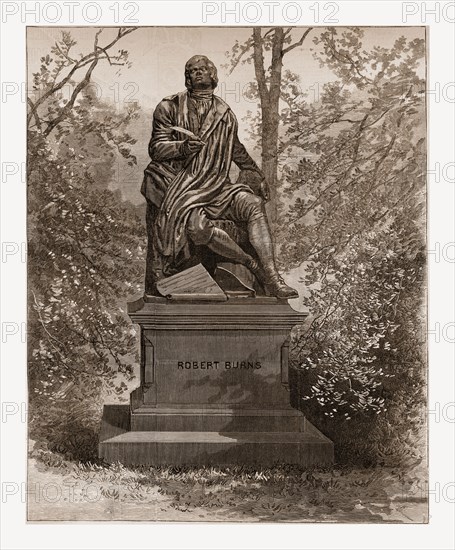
(280, 494)
(71, 483)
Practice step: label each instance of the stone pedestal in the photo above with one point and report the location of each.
(213, 389)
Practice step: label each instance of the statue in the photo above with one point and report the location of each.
(188, 190)
(214, 384)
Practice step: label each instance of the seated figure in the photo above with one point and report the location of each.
(188, 190)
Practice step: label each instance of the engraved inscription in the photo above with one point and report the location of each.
(215, 365)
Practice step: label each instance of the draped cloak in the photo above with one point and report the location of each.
(176, 184)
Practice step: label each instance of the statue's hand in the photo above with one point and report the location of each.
(256, 182)
(192, 146)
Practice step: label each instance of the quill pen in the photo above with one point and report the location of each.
(186, 132)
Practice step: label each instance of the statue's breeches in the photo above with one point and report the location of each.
(244, 207)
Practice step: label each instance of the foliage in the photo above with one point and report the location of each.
(85, 248)
(352, 215)
(360, 362)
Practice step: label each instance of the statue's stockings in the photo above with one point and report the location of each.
(259, 235)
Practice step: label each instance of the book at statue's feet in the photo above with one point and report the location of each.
(193, 284)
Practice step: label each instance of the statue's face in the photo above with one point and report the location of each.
(200, 75)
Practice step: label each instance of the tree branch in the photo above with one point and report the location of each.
(85, 60)
(299, 43)
(70, 59)
(346, 59)
(82, 84)
(247, 47)
(35, 114)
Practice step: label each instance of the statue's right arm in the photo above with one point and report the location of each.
(163, 145)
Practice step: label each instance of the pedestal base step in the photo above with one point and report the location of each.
(212, 448)
(165, 419)
(305, 446)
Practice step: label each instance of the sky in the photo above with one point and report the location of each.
(159, 54)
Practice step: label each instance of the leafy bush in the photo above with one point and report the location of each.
(86, 250)
(353, 208)
(360, 360)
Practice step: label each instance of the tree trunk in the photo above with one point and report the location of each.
(270, 162)
(269, 98)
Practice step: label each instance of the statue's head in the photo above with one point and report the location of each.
(200, 73)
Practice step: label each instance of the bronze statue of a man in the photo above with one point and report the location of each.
(187, 186)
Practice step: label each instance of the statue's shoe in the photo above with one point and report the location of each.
(274, 284)
(277, 287)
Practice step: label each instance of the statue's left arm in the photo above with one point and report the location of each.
(250, 173)
(241, 157)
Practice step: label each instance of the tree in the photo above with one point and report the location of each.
(86, 245)
(269, 87)
(357, 216)
(352, 215)
(46, 82)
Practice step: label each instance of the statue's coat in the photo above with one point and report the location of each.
(177, 184)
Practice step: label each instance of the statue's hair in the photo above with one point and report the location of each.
(210, 65)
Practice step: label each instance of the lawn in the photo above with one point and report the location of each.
(60, 489)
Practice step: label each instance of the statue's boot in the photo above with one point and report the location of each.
(267, 272)
(223, 245)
